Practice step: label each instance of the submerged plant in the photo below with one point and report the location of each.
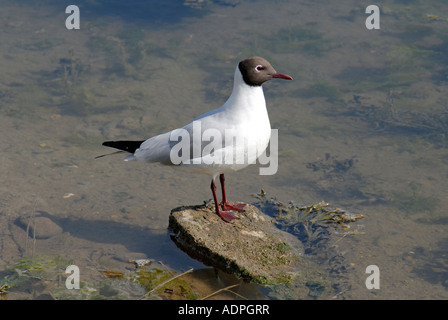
(304, 38)
(71, 69)
(310, 223)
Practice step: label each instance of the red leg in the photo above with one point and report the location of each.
(225, 215)
(225, 205)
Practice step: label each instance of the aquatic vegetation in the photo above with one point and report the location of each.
(430, 125)
(309, 223)
(433, 17)
(37, 45)
(430, 264)
(412, 32)
(360, 79)
(161, 281)
(414, 202)
(150, 281)
(316, 288)
(67, 87)
(299, 38)
(403, 66)
(121, 65)
(330, 164)
(40, 266)
(4, 291)
(71, 69)
(151, 278)
(26, 272)
(127, 53)
(321, 88)
(400, 57)
(319, 227)
(341, 179)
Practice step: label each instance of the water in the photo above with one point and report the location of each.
(363, 126)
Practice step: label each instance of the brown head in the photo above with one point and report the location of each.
(257, 70)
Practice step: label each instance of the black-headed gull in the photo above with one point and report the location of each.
(223, 140)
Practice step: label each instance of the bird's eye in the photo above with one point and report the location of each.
(259, 68)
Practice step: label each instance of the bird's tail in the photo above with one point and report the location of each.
(122, 146)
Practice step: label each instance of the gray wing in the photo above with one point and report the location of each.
(188, 138)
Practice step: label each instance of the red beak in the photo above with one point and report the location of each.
(281, 76)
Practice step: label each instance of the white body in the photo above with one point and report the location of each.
(244, 116)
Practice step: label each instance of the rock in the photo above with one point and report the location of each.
(251, 247)
(39, 227)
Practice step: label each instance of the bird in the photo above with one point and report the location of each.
(234, 135)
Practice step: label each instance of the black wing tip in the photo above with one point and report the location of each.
(108, 143)
(129, 146)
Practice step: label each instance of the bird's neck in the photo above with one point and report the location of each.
(244, 94)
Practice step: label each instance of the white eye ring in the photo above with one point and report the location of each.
(259, 67)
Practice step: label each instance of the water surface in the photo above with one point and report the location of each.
(363, 126)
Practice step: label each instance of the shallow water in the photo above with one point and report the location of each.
(363, 126)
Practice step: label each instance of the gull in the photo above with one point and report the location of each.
(223, 140)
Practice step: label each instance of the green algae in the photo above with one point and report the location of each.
(322, 88)
(413, 201)
(301, 38)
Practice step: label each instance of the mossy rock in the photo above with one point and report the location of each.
(251, 247)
